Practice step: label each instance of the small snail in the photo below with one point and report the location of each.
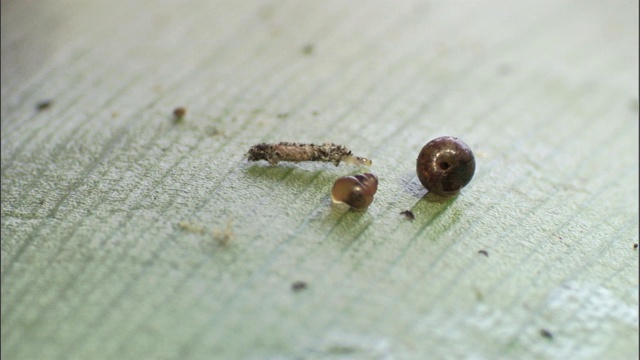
(445, 165)
(355, 190)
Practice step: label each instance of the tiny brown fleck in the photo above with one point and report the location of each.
(408, 214)
(212, 131)
(546, 334)
(191, 227)
(223, 237)
(635, 246)
(179, 112)
(298, 286)
(44, 105)
(483, 252)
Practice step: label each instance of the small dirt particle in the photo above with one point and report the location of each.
(483, 252)
(546, 334)
(212, 131)
(307, 49)
(223, 237)
(298, 286)
(408, 214)
(635, 246)
(179, 113)
(44, 105)
(191, 227)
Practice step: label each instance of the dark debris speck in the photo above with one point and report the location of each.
(483, 252)
(179, 112)
(408, 214)
(546, 334)
(44, 105)
(298, 286)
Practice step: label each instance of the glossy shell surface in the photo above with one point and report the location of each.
(445, 165)
(355, 190)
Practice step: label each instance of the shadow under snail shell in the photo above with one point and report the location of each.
(445, 165)
(355, 190)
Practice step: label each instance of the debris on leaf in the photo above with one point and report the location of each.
(408, 214)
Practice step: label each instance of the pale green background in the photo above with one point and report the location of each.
(96, 263)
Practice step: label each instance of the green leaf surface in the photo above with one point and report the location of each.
(129, 235)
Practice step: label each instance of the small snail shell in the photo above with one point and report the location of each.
(355, 190)
(445, 165)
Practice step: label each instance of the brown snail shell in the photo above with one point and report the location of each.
(445, 165)
(355, 190)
